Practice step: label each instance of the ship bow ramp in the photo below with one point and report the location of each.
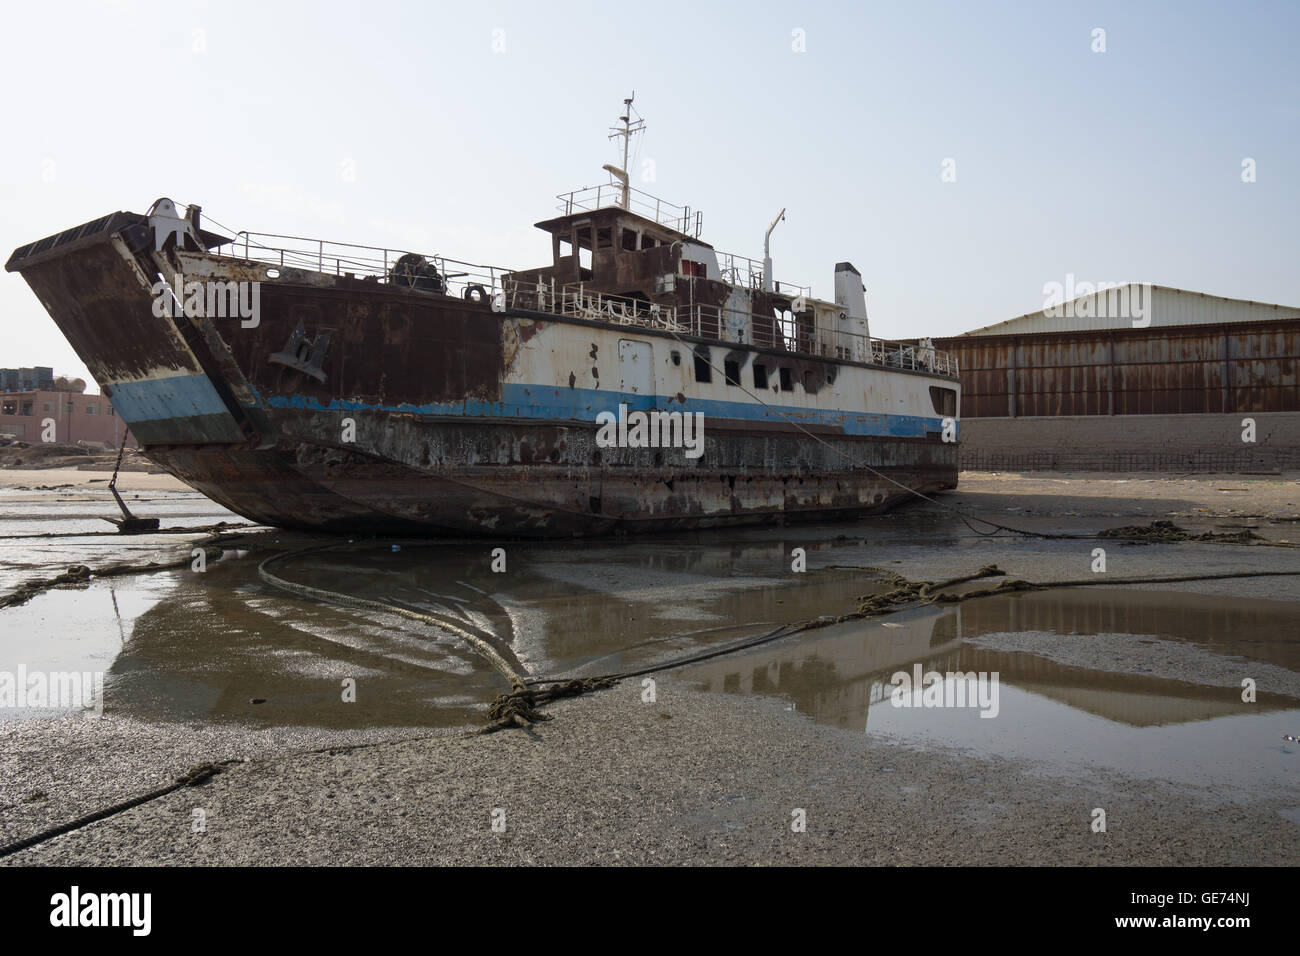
(100, 282)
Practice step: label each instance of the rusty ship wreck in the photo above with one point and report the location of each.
(335, 387)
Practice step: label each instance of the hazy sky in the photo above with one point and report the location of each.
(449, 128)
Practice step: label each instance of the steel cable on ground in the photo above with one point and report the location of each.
(906, 594)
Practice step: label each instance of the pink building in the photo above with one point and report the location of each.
(76, 417)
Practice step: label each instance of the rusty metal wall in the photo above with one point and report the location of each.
(1236, 367)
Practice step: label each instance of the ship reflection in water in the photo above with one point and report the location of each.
(1050, 710)
(835, 675)
(1085, 677)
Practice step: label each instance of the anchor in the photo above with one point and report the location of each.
(302, 354)
(128, 523)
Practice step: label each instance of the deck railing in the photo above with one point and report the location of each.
(344, 258)
(748, 274)
(608, 195)
(577, 300)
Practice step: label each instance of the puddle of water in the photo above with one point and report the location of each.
(185, 646)
(220, 646)
(28, 519)
(1053, 711)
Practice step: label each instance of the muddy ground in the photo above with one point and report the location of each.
(719, 775)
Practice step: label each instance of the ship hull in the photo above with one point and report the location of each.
(355, 407)
(312, 488)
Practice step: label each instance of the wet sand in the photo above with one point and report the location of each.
(1115, 698)
(693, 778)
(27, 479)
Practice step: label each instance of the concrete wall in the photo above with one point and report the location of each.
(1181, 443)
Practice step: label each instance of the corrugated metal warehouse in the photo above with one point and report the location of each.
(1046, 391)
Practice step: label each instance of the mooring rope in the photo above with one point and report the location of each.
(81, 574)
(858, 463)
(518, 708)
(220, 527)
(480, 644)
(196, 775)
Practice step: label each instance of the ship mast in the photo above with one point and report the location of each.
(629, 127)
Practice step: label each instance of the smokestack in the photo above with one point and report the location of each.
(850, 295)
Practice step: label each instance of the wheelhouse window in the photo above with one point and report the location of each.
(732, 372)
(583, 234)
(787, 380)
(760, 375)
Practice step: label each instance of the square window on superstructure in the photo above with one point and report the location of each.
(92, 408)
(787, 381)
(605, 238)
(760, 375)
(703, 372)
(944, 400)
(629, 240)
(732, 372)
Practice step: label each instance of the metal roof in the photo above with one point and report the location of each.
(1138, 305)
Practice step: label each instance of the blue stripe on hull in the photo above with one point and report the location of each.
(180, 396)
(584, 404)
